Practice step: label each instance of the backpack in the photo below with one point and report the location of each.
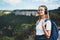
(54, 30)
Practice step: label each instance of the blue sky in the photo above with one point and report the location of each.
(28, 4)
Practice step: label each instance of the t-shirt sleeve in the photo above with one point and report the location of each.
(48, 25)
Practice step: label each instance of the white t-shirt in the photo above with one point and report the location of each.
(39, 29)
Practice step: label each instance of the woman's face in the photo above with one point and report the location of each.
(41, 11)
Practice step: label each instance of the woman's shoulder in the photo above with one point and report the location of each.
(48, 21)
(37, 22)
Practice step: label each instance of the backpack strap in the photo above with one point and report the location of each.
(47, 19)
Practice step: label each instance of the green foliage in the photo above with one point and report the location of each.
(1, 14)
(8, 38)
(20, 26)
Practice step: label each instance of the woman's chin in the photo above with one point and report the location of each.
(40, 15)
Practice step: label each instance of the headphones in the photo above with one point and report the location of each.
(46, 11)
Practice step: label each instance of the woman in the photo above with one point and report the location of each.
(43, 29)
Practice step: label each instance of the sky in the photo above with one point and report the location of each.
(28, 4)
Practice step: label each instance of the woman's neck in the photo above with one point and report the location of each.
(42, 16)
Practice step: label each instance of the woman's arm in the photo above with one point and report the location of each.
(35, 27)
(48, 30)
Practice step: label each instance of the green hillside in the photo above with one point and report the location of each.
(19, 27)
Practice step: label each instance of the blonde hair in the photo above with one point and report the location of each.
(47, 15)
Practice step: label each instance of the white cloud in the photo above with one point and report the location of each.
(29, 6)
(12, 2)
(35, 0)
(19, 4)
(40, 0)
(53, 6)
(49, 6)
(44, 0)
